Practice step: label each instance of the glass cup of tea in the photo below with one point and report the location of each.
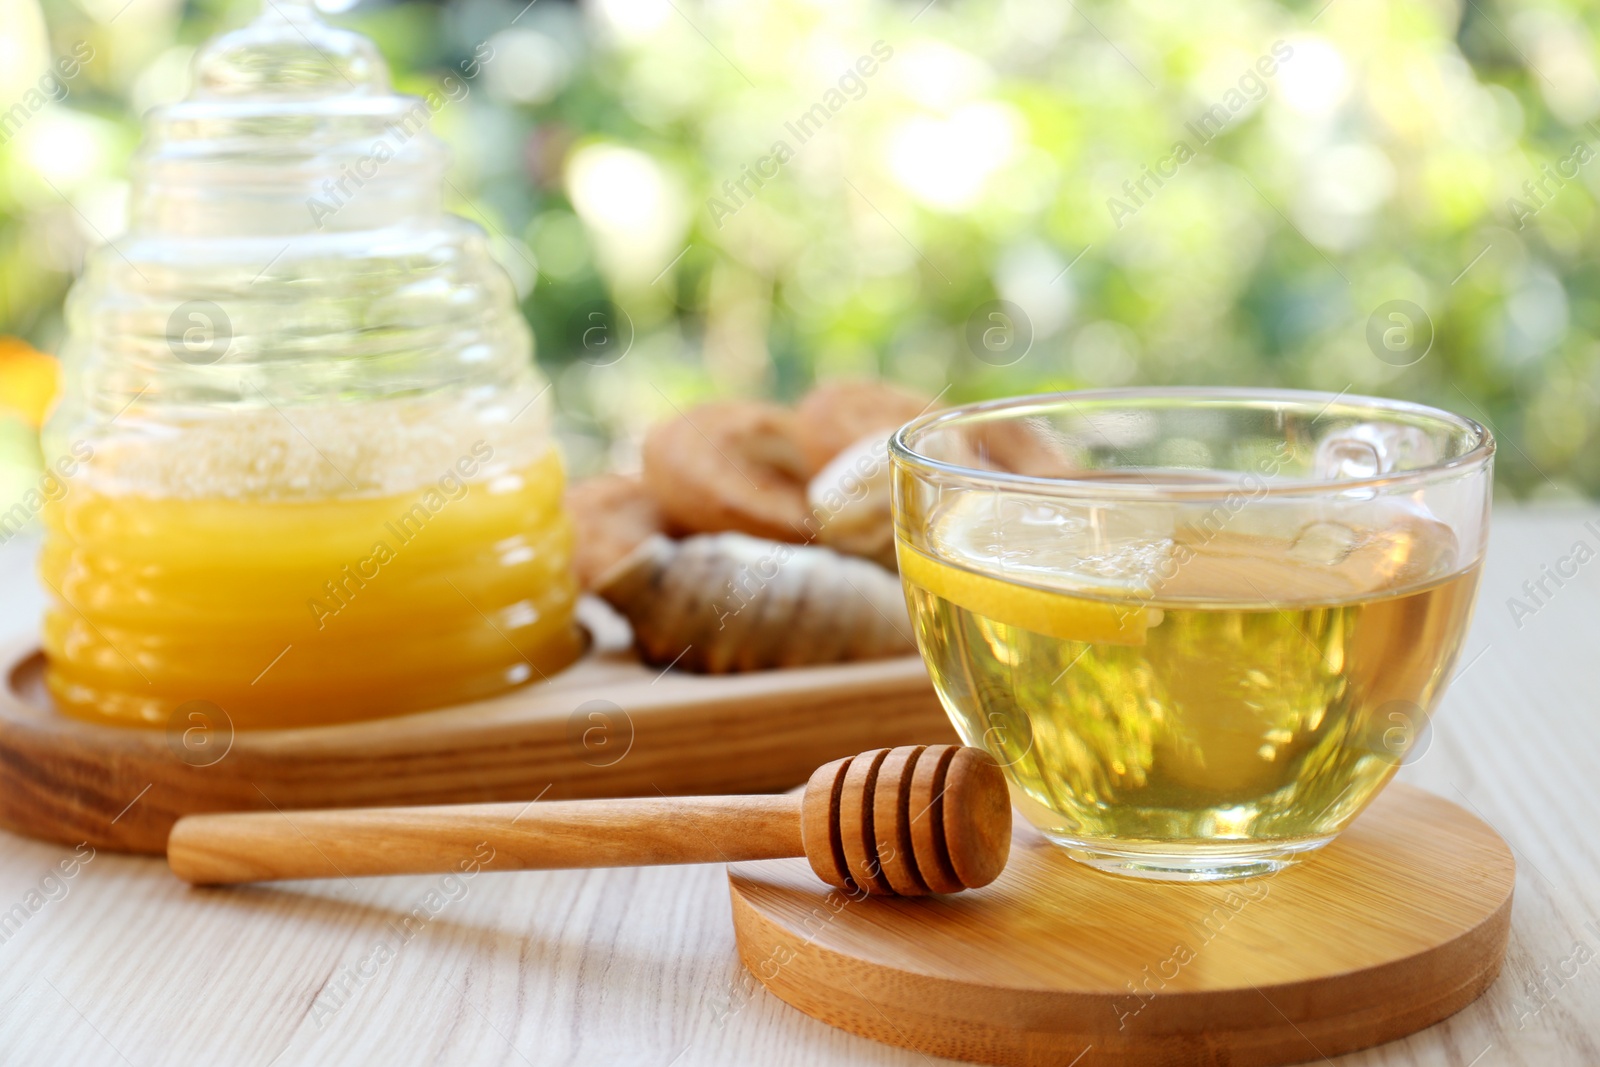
(1200, 629)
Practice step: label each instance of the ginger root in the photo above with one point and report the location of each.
(715, 603)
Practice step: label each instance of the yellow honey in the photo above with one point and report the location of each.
(295, 612)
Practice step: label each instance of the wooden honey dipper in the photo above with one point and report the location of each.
(907, 821)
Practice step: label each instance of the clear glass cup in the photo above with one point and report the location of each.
(1199, 628)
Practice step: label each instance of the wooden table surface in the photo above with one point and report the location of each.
(121, 964)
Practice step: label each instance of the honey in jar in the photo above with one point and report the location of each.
(320, 482)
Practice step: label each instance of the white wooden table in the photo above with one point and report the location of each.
(127, 966)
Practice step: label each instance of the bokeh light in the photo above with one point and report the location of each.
(776, 192)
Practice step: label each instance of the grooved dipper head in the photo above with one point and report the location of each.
(908, 821)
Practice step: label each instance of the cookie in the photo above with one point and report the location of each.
(612, 514)
(835, 415)
(730, 465)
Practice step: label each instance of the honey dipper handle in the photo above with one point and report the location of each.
(265, 846)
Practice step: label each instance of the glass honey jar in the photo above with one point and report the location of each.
(318, 478)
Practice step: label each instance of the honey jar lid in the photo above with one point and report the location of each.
(291, 126)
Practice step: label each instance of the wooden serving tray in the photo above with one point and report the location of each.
(1402, 921)
(607, 726)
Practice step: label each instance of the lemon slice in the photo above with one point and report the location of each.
(1041, 611)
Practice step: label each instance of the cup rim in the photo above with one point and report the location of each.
(1474, 458)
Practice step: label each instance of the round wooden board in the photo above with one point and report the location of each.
(606, 726)
(1399, 923)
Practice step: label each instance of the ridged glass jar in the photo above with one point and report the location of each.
(315, 479)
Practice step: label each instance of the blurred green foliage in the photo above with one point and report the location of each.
(1024, 151)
